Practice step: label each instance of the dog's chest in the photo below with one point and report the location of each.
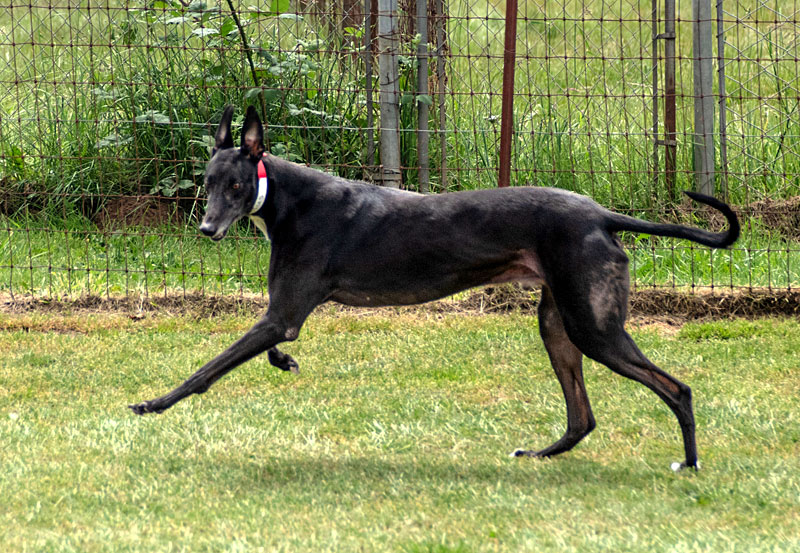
(260, 225)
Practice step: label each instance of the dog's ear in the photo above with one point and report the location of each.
(223, 139)
(252, 134)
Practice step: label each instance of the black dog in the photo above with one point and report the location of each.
(358, 244)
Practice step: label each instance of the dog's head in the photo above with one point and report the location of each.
(232, 175)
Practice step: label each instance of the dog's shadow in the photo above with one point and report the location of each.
(368, 472)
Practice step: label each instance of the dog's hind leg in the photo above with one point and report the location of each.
(597, 328)
(283, 361)
(566, 359)
(620, 354)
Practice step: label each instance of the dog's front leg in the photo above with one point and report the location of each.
(263, 336)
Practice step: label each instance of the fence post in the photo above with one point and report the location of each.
(368, 23)
(441, 79)
(423, 138)
(723, 123)
(507, 113)
(389, 77)
(654, 65)
(670, 109)
(703, 97)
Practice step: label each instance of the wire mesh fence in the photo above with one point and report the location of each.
(107, 111)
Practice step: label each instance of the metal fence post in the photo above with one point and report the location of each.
(670, 141)
(654, 67)
(670, 109)
(368, 23)
(441, 79)
(507, 115)
(423, 100)
(389, 77)
(723, 123)
(703, 97)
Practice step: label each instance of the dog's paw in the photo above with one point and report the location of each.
(143, 408)
(283, 361)
(522, 453)
(677, 467)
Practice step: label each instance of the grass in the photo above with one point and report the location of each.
(70, 257)
(394, 438)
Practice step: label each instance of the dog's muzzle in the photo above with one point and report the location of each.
(212, 231)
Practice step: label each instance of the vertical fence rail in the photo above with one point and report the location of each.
(507, 115)
(670, 108)
(423, 102)
(703, 97)
(106, 112)
(723, 120)
(389, 78)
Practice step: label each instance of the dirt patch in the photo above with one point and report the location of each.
(658, 306)
(781, 216)
(136, 211)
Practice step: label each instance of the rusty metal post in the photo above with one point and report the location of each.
(507, 114)
(670, 141)
(670, 110)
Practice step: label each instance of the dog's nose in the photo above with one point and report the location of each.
(208, 229)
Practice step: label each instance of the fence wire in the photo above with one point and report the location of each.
(107, 111)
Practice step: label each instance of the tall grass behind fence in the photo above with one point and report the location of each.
(107, 110)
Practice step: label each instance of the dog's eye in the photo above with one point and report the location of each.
(236, 186)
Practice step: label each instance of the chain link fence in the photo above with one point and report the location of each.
(107, 110)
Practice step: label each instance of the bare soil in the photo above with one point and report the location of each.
(781, 216)
(136, 211)
(655, 306)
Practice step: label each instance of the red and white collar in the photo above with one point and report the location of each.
(261, 195)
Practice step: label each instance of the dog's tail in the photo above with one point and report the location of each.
(618, 222)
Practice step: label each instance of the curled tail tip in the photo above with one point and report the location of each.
(734, 229)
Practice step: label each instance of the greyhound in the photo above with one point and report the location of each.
(363, 245)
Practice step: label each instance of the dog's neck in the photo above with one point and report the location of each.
(261, 197)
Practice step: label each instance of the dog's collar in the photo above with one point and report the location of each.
(261, 195)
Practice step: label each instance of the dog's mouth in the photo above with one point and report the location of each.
(215, 233)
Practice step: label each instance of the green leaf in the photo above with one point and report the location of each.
(205, 31)
(153, 116)
(271, 94)
(252, 93)
(113, 139)
(426, 99)
(228, 26)
(279, 6)
(104, 94)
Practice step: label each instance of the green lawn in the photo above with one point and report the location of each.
(394, 437)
